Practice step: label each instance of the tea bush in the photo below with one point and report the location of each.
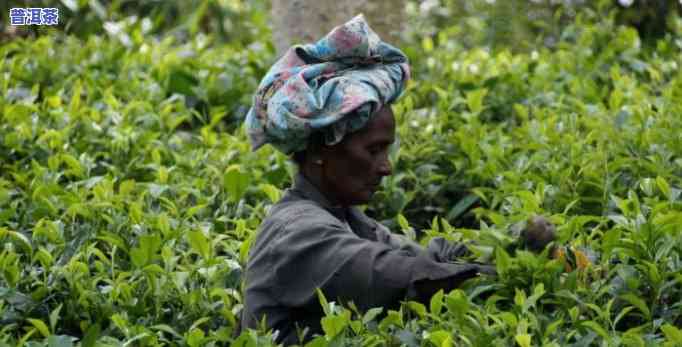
(129, 194)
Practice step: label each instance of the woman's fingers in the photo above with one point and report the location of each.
(539, 233)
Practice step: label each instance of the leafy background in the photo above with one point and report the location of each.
(129, 195)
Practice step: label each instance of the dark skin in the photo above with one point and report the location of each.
(350, 172)
(539, 233)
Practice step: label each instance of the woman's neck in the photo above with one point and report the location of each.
(315, 177)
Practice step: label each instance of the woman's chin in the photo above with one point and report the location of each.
(367, 197)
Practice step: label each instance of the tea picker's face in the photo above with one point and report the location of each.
(352, 169)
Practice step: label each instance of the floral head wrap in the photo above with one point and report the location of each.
(333, 86)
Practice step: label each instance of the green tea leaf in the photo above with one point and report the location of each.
(17, 237)
(436, 304)
(271, 191)
(149, 246)
(200, 243)
(523, 340)
(637, 302)
(440, 338)
(235, 182)
(475, 100)
(457, 302)
(54, 317)
(59, 341)
(91, 335)
(673, 334)
(594, 326)
(324, 303)
(461, 206)
(371, 314)
(335, 324)
(40, 325)
(417, 308)
(663, 186)
(502, 261)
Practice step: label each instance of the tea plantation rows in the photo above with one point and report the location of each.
(129, 195)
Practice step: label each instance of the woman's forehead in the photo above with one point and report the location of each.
(383, 119)
(380, 129)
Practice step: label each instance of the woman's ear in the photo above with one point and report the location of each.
(317, 155)
(316, 151)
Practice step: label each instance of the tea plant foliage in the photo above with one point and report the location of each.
(129, 196)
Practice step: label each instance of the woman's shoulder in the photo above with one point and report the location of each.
(289, 221)
(295, 212)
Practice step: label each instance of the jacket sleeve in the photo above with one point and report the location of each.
(438, 248)
(316, 252)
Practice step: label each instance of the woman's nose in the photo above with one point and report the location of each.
(385, 167)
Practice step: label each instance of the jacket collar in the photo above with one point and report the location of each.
(306, 188)
(358, 221)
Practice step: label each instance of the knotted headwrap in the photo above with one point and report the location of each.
(333, 86)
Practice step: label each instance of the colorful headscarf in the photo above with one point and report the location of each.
(333, 86)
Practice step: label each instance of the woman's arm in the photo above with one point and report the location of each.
(438, 248)
(315, 252)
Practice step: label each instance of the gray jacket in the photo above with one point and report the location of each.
(305, 243)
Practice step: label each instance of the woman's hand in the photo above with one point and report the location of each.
(442, 250)
(538, 234)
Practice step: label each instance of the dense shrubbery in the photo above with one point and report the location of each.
(129, 195)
